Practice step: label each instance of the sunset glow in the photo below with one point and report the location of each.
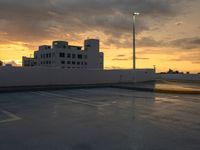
(167, 38)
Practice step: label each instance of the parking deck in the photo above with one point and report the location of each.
(99, 119)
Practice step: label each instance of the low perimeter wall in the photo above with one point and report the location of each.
(35, 76)
(180, 77)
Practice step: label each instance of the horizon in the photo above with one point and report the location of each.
(167, 32)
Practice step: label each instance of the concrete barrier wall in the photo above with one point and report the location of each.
(181, 77)
(37, 76)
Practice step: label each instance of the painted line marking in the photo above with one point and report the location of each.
(12, 117)
(71, 99)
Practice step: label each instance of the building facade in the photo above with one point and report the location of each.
(63, 55)
(28, 62)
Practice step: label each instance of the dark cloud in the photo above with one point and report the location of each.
(125, 57)
(127, 43)
(33, 20)
(143, 58)
(183, 43)
(143, 42)
(121, 41)
(121, 55)
(192, 57)
(121, 58)
(186, 43)
(149, 42)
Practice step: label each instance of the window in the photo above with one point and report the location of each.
(73, 55)
(47, 55)
(68, 55)
(79, 56)
(88, 45)
(73, 63)
(78, 63)
(68, 62)
(53, 54)
(85, 56)
(85, 63)
(62, 54)
(62, 62)
(81, 63)
(47, 62)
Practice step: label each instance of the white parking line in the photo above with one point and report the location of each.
(72, 99)
(12, 117)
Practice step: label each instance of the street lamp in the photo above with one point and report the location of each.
(134, 44)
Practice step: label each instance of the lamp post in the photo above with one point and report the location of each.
(134, 43)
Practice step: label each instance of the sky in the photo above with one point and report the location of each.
(168, 31)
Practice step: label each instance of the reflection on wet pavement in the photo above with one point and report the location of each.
(108, 119)
(180, 86)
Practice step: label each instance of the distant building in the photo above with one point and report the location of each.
(28, 62)
(63, 55)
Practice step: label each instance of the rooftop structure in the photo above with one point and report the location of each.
(63, 55)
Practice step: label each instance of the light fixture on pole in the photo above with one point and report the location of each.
(134, 43)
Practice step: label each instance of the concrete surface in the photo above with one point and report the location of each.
(163, 87)
(99, 119)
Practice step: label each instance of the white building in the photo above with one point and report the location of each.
(63, 55)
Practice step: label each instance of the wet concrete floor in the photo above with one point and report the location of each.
(99, 119)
